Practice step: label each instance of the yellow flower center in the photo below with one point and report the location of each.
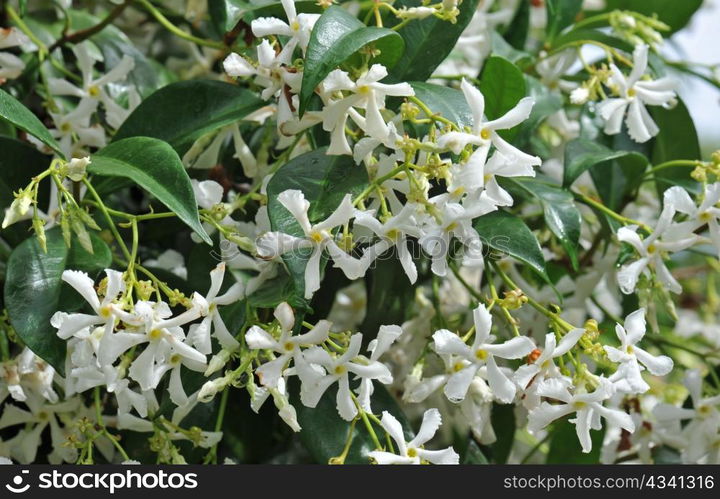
(481, 354)
(412, 452)
(340, 370)
(295, 26)
(631, 92)
(289, 346)
(580, 405)
(94, 91)
(705, 217)
(485, 134)
(175, 359)
(155, 334)
(451, 227)
(316, 236)
(652, 249)
(65, 127)
(458, 366)
(105, 311)
(363, 89)
(393, 234)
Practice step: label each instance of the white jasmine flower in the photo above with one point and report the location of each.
(318, 237)
(481, 353)
(634, 93)
(286, 347)
(628, 378)
(326, 369)
(298, 27)
(366, 93)
(413, 452)
(530, 376)
(706, 213)
(587, 406)
(385, 338)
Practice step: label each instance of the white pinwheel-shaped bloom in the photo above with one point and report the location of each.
(587, 407)
(530, 376)
(413, 452)
(385, 338)
(93, 88)
(632, 358)
(11, 66)
(651, 251)
(485, 134)
(213, 324)
(69, 325)
(705, 213)
(700, 433)
(481, 353)
(454, 221)
(393, 233)
(286, 347)
(74, 131)
(366, 93)
(166, 348)
(321, 369)
(298, 27)
(280, 398)
(634, 93)
(318, 237)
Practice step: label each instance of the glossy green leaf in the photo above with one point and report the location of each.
(561, 214)
(337, 35)
(33, 289)
(156, 167)
(13, 111)
(447, 102)
(428, 41)
(474, 454)
(509, 235)
(325, 180)
(503, 85)
(517, 32)
(503, 421)
(674, 13)
(19, 162)
(324, 432)
(565, 447)
(182, 112)
(677, 139)
(583, 154)
(581, 34)
(560, 15)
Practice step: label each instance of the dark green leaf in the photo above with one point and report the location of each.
(561, 213)
(155, 167)
(182, 112)
(337, 35)
(474, 455)
(674, 13)
(565, 447)
(517, 33)
(33, 289)
(583, 154)
(429, 41)
(325, 180)
(20, 116)
(591, 34)
(508, 234)
(560, 15)
(677, 139)
(617, 180)
(503, 85)
(503, 422)
(324, 432)
(19, 162)
(445, 101)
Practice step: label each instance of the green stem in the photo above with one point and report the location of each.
(165, 22)
(670, 164)
(42, 48)
(108, 219)
(612, 214)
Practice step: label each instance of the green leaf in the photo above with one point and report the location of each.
(581, 34)
(677, 139)
(324, 432)
(448, 102)
(337, 35)
(503, 422)
(473, 454)
(517, 33)
(560, 15)
(182, 112)
(324, 180)
(503, 85)
(583, 154)
(508, 234)
(561, 214)
(565, 447)
(13, 111)
(674, 13)
(19, 162)
(156, 167)
(33, 289)
(428, 41)
(227, 13)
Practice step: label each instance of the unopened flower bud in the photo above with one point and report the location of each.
(18, 209)
(76, 168)
(579, 96)
(217, 362)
